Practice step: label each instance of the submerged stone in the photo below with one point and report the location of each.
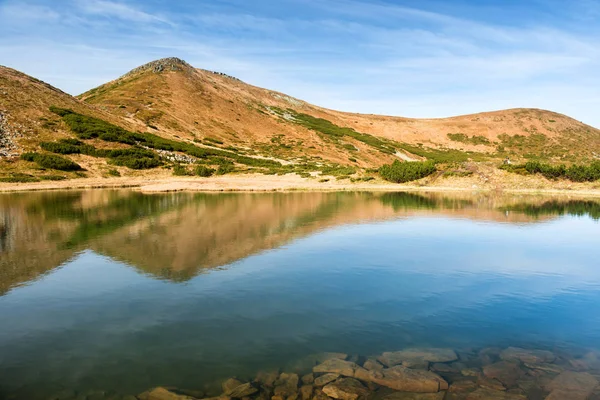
(489, 394)
(306, 392)
(578, 385)
(506, 372)
(404, 379)
(527, 356)
(287, 385)
(267, 378)
(325, 379)
(373, 365)
(346, 389)
(308, 379)
(416, 356)
(230, 384)
(161, 393)
(243, 390)
(337, 366)
(414, 396)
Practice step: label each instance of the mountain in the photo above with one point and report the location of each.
(167, 112)
(182, 101)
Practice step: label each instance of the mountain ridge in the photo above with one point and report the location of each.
(171, 99)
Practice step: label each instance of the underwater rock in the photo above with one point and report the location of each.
(346, 389)
(527, 356)
(404, 379)
(373, 365)
(161, 393)
(417, 356)
(325, 379)
(337, 366)
(573, 385)
(414, 396)
(267, 378)
(506, 372)
(286, 385)
(243, 390)
(308, 379)
(230, 384)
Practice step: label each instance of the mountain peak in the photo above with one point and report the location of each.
(162, 65)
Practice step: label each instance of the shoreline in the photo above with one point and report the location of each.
(275, 183)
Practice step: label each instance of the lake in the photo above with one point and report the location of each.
(105, 294)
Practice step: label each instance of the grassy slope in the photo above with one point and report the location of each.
(173, 100)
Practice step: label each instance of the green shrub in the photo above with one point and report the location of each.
(400, 172)
(113, 172)
(204, 171)
(180, 170)
(575, 173)
(338, 170)
(134, 158)
(476, 140)
(51, 161)
(86, 127)
(19, 178)
(225, 169)
(53, 177)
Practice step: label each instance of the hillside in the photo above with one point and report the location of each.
(184, 101)
(168, 117)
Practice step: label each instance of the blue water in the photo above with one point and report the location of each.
(362, 277)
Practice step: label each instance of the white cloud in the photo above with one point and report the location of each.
(121, 11)
(11, 11)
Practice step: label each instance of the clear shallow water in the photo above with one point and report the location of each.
(115, 290)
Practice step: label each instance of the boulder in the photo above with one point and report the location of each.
(527, 356)
(346, 389)
(306, 392)
(267, 378)
(325, 379)
(489, 394)
(286, 385)
(463, 385)
(161, 393)
(550, 368)
(490, 383)
(243, 390)
(308, 379)
(230, 384)
(576, 384)
(506, 372)
(404, 379)
(373, 365)
(337, 366)
(417, 356)
(307, 363)
(319, 395)
(414, 396)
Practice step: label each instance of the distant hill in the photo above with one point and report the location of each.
(234, 123)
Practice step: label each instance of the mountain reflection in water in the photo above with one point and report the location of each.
(177, 236)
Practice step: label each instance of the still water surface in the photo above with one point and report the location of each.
(121, 291)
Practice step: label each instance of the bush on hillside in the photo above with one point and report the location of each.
(400, 172)
(86, 127)
(203, 171)
(575, 173)
(51, 161)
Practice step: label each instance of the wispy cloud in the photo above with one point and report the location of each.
(437, 59)
(123, 11)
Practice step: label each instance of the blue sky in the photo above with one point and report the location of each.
(409, 58)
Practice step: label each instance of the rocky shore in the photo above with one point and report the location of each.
(416, 374)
